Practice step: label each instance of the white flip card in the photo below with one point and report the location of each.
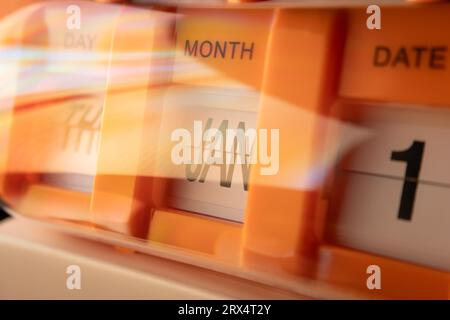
(396, 200)
(210, 189)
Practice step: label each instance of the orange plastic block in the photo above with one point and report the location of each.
(51, 202)
(57, 107)
(405, 61)
(221, 48)
(280, 228)
(221, 239)
(348, 269)
(219, 53)
(130, 120)
(11, 7)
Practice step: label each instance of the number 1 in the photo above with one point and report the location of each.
(413, 158)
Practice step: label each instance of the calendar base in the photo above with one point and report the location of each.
(34, 260)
